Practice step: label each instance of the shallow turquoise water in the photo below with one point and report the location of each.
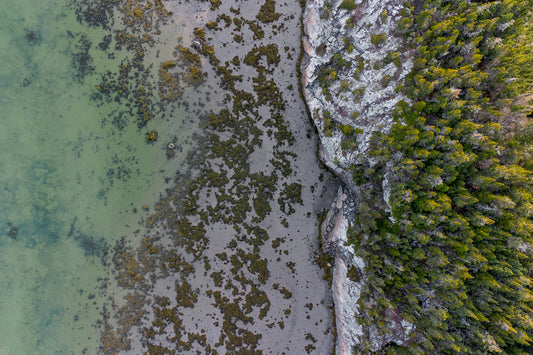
(69, 180)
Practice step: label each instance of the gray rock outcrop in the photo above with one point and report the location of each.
(362, 95)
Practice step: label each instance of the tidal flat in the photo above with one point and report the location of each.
(228, 261)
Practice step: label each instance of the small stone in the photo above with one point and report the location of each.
(13, 233)
(196, 44)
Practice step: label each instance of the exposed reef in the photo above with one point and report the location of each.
(351, 67)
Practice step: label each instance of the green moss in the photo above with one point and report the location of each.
(222, 256)
(261, 206)
(169, 83)
(235, 61)
(169, 64)
(322, 259)
(193, 75)
(188, 57)
(340, 62)
(257, 298)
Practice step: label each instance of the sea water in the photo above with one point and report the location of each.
(71, 182)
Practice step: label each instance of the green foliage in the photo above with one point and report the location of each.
(344, 85)
(348, 5)
(326, 76)
(385, 80)
(378, 39)
(347, 130)
(383, 15)
(393, 57)
(348, 144)
(340, 62)
(451, 248)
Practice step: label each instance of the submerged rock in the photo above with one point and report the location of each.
(32, 36)
(13, 232)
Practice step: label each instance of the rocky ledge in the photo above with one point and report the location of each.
(352, 66)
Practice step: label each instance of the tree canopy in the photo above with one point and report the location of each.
(451, 250)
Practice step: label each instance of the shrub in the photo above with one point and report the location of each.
(347, 130)
(344, 86)
(383, 15)
(348, 5)
(378, 39)
(386, 80)
(348, 144)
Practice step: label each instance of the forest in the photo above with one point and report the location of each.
(451, 249)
